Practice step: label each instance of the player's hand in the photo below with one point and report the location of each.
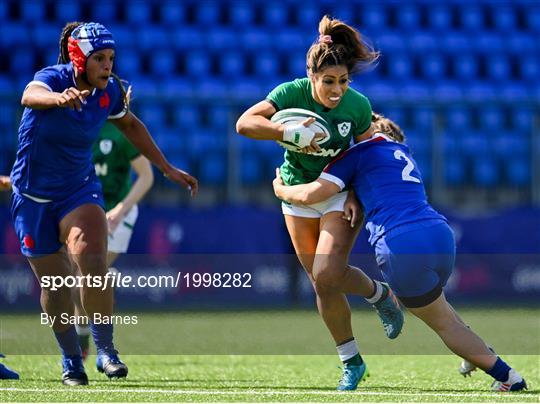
(115, 217)
(299, 134)
(314, 146)
(5, 183)
(128, 95)
(278, 184)
(72, 98)
(352, 210)
(181, 177)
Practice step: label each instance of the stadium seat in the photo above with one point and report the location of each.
(455, 170)
(488, 43)
(15, 33)
(521, 119)
(503, 18)
(22, 62)
(172, 12)
(128, 64)
(219, 118)
(480, 92)
(146, 86)
(231, 64)
(163, 64)
(498, 68)
(422, 42)
(520, 43)
(213, 169)
(201, 142)
(447, 92)
(414, 90)
(178, 88)
(256, 39)
(419, 142)
(485, 172)
(433, 66)
(374, 17)
(307, 15)
(250, 170)
(532, 16)
(241, 14)
(46, 36)
(515, 144)
(518, 172)
(245, 89)
(185, 39)
(423, 119)
(276, 14)
(220, 39)
(408, 16)
(400, 66)
(207, 13)
(514, 91)
(439, 17)
(6, 88)
(187, 116)
(211, 89)
(104, 11)
(152, 115)
(423, 162)
(296, 66)
(390, 43)
(455, 43)
(266, 65)
(138, 13)
(151, 37)
(4, 11)
(291, 41)
(197, 64)
(66, 10)
(171, 142)
(32, 11)
(471, 17)
(492, 119)
(529, 67)
(465, 67)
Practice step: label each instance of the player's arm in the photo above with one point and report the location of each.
(255, 123)
(39, 97)
(304, 194)
(139, 136)
(366, 135)
(144, 181)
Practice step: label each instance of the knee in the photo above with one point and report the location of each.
(81, 243)
(326, 281)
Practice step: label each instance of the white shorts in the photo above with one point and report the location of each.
(316, 210)
(118, 242)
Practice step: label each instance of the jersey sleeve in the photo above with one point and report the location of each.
(286, 95)
(49, 78)
(118, 108)
(363, 119)
(341, 170)
(131, 151)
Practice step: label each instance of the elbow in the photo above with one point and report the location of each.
(25, 102)
(241, 127)
(305, 198)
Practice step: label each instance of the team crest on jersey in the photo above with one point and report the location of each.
(344, 128)
(105, 146)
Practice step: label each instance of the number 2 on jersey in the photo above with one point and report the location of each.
(406, 173)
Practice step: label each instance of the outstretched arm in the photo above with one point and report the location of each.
(304, 194)
(137, 134)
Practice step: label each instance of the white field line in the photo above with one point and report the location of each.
(268, 392)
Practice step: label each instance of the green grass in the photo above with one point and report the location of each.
(243, 376)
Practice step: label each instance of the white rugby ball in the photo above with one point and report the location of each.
(292, 116)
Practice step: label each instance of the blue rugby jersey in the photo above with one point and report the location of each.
(385, 178)
(54, 154)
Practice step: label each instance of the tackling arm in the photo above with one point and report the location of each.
(304, 194)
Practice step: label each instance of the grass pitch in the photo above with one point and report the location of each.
(275, 377)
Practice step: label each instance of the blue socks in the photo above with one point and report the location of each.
(499, 371)
(103, 337)
(68, 342)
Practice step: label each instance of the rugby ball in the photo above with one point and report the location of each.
(298, 115)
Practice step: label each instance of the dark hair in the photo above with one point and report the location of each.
(386, 126)
(63, 57)
(341, 45)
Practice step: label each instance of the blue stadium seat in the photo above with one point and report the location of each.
(218, 118)
(408, 16)
(308, 15)
(219, 39)
(186, 39)
(212, 88)
(504, 18)
(471, 17)
(433, 66)
(181, 161)
(163, 63)
(4, 11)
(255, 39)
(241, 14)
(423, 162)
(475, 144)
(201, 142)
(400, 66)
(380, 92)
(296, 65)
(245, 89)
(22, 62)
(138, 12)
(171, 142)
(514, 91)
(124, 38)
(151, 37)
(104, 11)
(454, 170)
(178, 87)
(207, 13)
(489, 43)
(14, 33)
(439, 17)
(197, 63)
(529, 67)
(390, 43)
(213, 169)
(374, 17)
(187, 116)
(396, 114)
(128, 63)
(520, 43)
(45, 35)
(423, 119)
(152, 115)
(172, 12)
(447, 91)
(32, 11)
(419, 142)
(146, 86)
(532, 16)
(266, 65)
(516, 144)
(422, 42)
(454, 43)
(6, 87)
(492, 119)
(66, 10)
(485, 172)
(250, 170)
(465, 67)
(247, 145)
(480, 92)
(276, 14)
(521, 119)
(498, 68)
(414, 90)
(518, 172)
(291, 41)
(231, 64)
(49, 57)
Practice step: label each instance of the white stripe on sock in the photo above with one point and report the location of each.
(378, 293)
(347, 350)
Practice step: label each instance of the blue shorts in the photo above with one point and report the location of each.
(417, 259)
(37, 224)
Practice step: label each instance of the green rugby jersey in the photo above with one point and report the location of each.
(112, 154)
(351, 117)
